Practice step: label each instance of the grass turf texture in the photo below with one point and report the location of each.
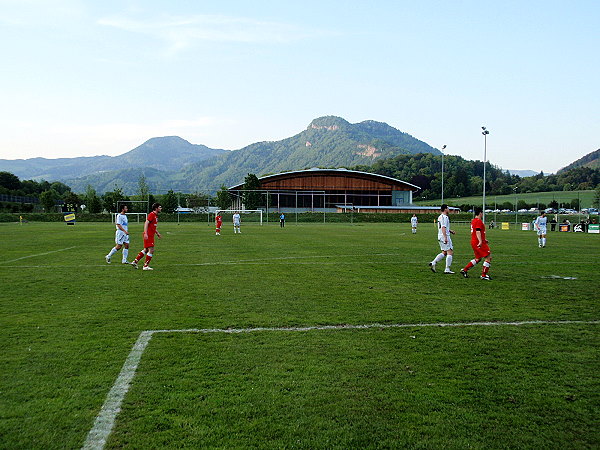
(69, 321)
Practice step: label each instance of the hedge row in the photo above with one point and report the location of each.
(273, 217)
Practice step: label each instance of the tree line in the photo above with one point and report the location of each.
(463, 178)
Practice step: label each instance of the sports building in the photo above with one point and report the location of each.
(334, 190)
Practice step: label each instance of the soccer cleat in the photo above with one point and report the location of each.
(147, 268)
(448, 271)
(107, 258)
(486, 277)
(134, 264)
(125, 262)
(464, 273)
(432, 267)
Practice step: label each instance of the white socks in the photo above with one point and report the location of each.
(438, 258)
(125, 253)
(112, 252)
(448, 262)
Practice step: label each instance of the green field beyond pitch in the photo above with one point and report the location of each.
(585, 198)
(69, 321)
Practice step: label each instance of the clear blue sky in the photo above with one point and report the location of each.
(82, 78)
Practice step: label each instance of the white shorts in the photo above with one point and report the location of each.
(541, 231)
(121, 238)
(236, 224)
(445, 247)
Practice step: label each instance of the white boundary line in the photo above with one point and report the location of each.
(39, 254)
(105, 420)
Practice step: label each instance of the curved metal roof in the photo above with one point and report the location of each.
(331, 172)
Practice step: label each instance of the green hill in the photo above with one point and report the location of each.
(591, 160)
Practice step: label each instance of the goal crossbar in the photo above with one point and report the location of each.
(241, 211)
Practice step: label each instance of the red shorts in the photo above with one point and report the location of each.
(481, 252)
(148, 243)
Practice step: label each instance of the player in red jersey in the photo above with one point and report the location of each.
(149, 232)
(480, 246)
(218, 224)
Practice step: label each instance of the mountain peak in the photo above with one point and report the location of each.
(330, 123)
(165, 140)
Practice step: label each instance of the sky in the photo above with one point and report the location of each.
(84, 78)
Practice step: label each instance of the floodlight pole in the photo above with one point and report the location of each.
(516, 213)
(443, 147)
(485, 132)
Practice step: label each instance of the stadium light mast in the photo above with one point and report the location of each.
(443, 147)
(485, 132)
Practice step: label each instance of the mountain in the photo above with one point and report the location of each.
(327, 142)
(591, 160)
(174, 163)
(169, 153)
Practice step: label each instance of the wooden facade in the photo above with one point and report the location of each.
(317, 189)
(332, 181)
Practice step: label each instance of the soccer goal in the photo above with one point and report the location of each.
(141, 217)
(246, 215)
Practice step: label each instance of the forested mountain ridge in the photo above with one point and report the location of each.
(591, 160)
(327, 142)
(168, 153)
(464, 177)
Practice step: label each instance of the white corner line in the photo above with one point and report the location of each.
(38, 254)
(105, 420)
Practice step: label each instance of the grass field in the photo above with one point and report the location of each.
(70, 321)
(586, 198)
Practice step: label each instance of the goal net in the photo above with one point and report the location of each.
(246, 215)
(139, 217)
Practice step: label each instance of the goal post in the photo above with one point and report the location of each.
(246, 215)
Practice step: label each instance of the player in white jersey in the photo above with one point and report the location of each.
(540, 227)
(236, 223)
(445, 241)
(413, 223)
(121, 236)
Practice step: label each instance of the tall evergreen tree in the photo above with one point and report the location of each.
(170, 202)
(223, 198)
(252, 199)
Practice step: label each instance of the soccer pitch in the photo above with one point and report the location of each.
(261, 343)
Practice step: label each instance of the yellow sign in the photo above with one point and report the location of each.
(505, 226)
(70, 219)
